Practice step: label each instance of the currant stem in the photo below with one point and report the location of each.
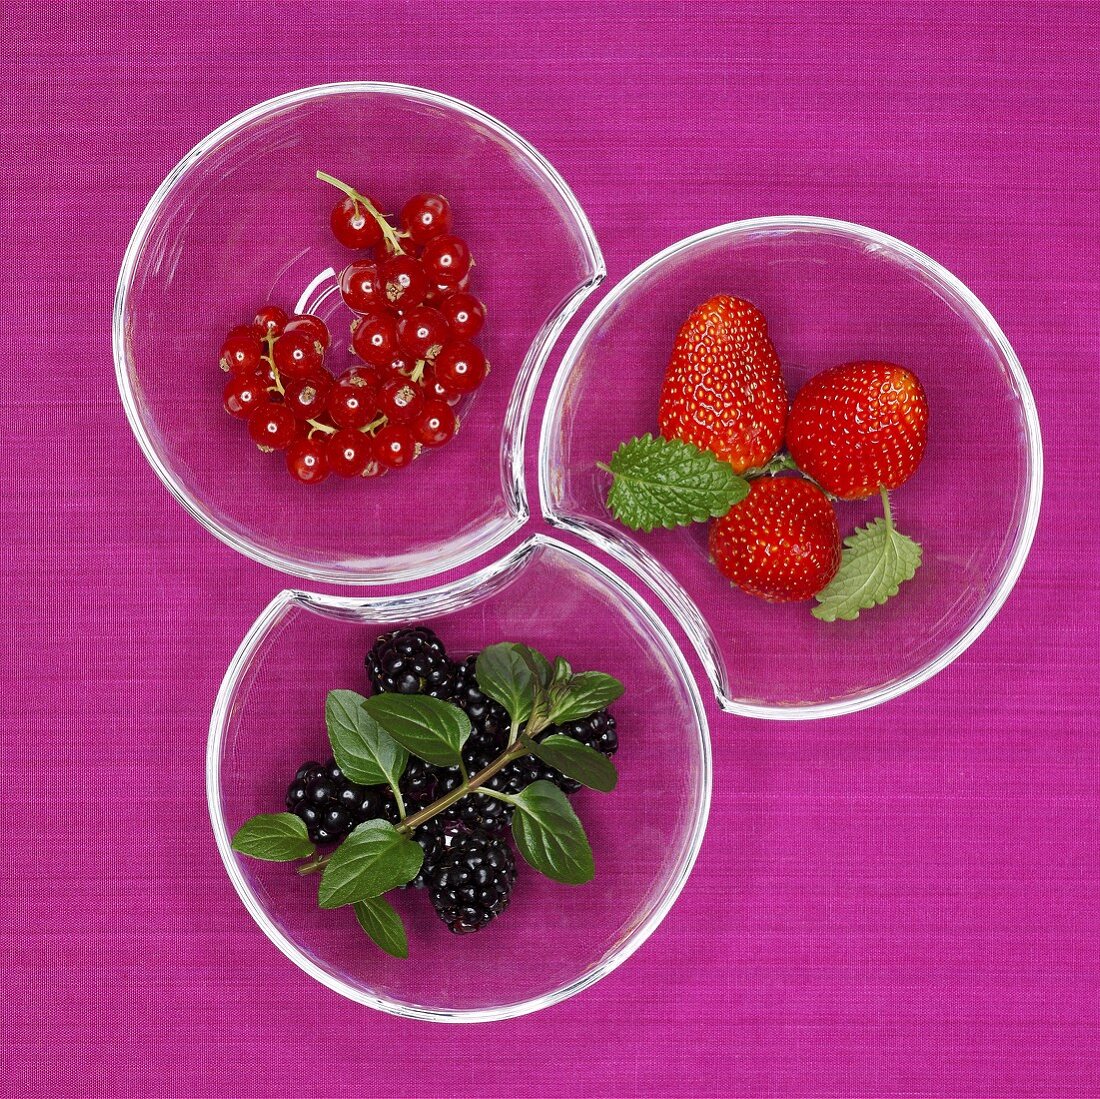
(389, 234)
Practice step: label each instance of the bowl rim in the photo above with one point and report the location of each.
(434, 560)
(397, 608)
(619, 545)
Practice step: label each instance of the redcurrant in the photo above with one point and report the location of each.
(361, 286)
(272, 426)
(296, 354)
(422, 332)
(242, 351)
(307, 460)
(366, 374)
(353, 226)
(435, 390)
(311, 326)
(465, 314)
(400, 401)
(445, 259)
(397, 367)
(271, 320)
(435, 424)
(440, 291)
(374, 339)
(352, 401)
(395, 446)
(350, 452)
(404, 281)
(461, 367)
(426, 216)
(244, 393)
(305, 397)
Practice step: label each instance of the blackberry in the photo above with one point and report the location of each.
(470, 881)
(419, 783)
(431, 839)
(410, 661)
(488, 718)
(331, 805)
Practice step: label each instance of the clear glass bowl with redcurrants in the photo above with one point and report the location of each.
(880, 329)
(353, 257)
(554, 939)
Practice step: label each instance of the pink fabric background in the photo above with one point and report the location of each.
(900, 903)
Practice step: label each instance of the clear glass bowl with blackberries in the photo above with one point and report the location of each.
(833, 467)
(468, 804)
(330, 320)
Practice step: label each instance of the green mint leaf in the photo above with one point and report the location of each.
(539, 665)
(582, 695)
(562, 672)
(669, 483)
(575, 760)
(549, 835)
(274, 837)
(876, 561)
(507, 674)
(379, 919)
(374, 859)
(364, 751)
(428, 727)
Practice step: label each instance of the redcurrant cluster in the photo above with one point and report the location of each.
(413, 330)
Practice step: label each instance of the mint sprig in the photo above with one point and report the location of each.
(363, 750)
(379, 919)
(507, 676)
(372, 740)
(428, 727)
(273, 837)
(876, 561)
(576, 761)
(550, 836)
(374, 859)
(578, 696)
(669, 483)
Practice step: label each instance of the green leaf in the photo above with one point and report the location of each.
(549, 835)
(274, 837)
(582, 695)
(576, 761)
(669, 483)
(379, 919)
(364, 751)
(507, 677)
(562, 672)
(374, 859)
(539, 665)
(876, 561)
(428, 727)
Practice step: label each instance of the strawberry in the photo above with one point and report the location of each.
(723, 390)
(781, 543)
(858, 428)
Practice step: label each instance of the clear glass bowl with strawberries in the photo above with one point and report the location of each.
(815, 443)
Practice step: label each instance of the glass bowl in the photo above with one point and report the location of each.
(645, 835)
(241, 220)
(832, 292)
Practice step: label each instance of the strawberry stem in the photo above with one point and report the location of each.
(886, 507)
